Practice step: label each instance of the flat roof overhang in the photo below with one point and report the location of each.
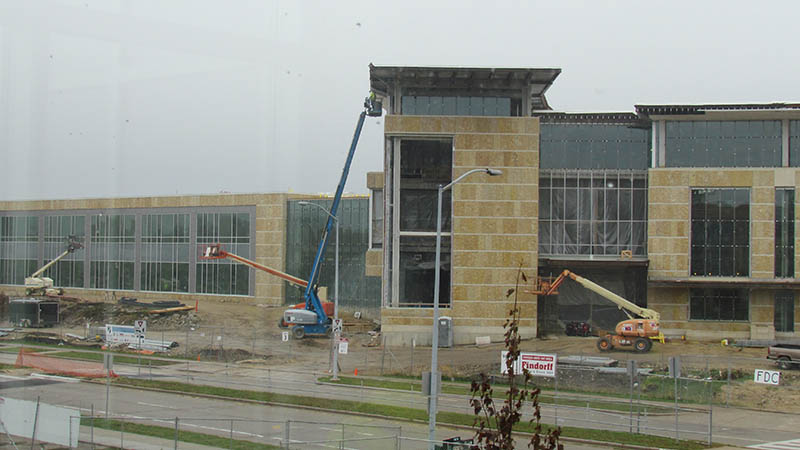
(455, 81)
(725, 282)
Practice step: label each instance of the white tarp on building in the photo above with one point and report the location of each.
(53, 425)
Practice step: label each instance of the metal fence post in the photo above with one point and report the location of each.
(728, 396)
(122, 434)
(341, 443)
(35, 423)
(413, 345)
(555, 399)
(286, 433)
(176, 433)
(92, 427)
(710, 407)
(383, 353)
(231, 440)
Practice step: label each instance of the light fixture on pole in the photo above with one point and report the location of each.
(432, 400)
(335, 334)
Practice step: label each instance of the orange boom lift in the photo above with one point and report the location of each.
(637, 332)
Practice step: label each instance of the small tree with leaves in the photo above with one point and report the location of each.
(494, 426)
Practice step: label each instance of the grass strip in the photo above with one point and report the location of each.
(117, 358)
(465, 390)
(7, 366)
(13, 350)
(192, 437)
(29, 343)
(404, 412)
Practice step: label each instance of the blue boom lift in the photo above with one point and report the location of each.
(312, 320)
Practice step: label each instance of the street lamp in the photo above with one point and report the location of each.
(435, 344)
(335, 334)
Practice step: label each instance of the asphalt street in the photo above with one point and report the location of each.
(731, 426)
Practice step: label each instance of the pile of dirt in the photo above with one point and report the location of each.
(229, 355)
(79, 314)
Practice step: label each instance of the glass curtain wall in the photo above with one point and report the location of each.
(165, 253)
(112, 251)
(784, 233)
(223, 276)
(592, 212)
(720, 221)
(69, 271)
(424, 165)
(710, 143)
(459, 106)
(19, 248)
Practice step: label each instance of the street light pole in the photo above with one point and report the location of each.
(434, 381)
(335, 334)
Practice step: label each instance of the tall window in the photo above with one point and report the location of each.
(784, 311)
(424, 165)
(719, 304)
(165, 252)
(784, 233)
(720, 232)
(592, 212)
(113, 245)
(710, 143)
(223, 276)
(70, 270)
(19, 246)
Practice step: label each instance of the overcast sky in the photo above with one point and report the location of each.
(110, 98)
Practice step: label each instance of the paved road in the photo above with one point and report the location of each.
(730, 425)
(257, 423)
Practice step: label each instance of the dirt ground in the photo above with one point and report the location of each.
(245, 322)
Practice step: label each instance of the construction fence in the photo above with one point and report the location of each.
(644, 393)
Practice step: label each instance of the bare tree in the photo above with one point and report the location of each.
(494, 426)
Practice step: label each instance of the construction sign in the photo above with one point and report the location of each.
(140, 328)
(537, 364)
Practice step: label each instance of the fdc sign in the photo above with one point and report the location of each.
(767, 376)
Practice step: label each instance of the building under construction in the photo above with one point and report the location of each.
(688, 210)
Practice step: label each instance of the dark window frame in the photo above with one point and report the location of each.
(719, 305)
(720, 232)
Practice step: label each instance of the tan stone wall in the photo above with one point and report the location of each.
(270, 244)
(375, 180)
(668, 216)
(495, 222)
(669, 237)
(374, 262)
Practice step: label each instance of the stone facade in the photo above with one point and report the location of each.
(669, 238)
(494, 228)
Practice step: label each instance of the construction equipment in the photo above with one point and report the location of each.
(215, 251)
(38, 285)
(313, 319)
(638, 332)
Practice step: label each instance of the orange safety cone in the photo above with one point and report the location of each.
(355, 372)
(198, 357)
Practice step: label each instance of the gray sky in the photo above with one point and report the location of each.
(108, 98)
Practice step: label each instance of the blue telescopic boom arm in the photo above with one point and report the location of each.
(312, 300)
